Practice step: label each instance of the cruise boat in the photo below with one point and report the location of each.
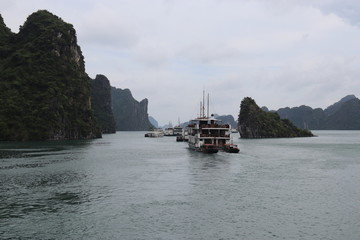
(175, 131)
(207, 134)
(155, 133)
(169, 131)
(178, 131)
(184, 137)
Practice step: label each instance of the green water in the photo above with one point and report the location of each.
(125, 186)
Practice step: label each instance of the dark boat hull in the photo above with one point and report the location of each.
(209, 149)
(231, 148)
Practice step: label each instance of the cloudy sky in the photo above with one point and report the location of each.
(279, 52)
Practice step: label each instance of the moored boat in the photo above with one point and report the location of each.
(169, 131)
(178, 131)
(155, 133)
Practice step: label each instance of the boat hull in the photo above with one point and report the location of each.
(205, 148)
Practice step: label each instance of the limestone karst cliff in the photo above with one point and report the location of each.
(45, 91)
(256, 123)
(130, 115)
(101, 103)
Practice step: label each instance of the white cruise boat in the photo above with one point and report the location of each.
(178, 130)
(169, 131)
(155, 133)
(207, 134)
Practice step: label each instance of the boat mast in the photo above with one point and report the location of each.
(208, 109)
(203, 107)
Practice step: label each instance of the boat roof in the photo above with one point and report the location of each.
(212, 118)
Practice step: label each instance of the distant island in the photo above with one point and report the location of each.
(253, 122)
(130, 115)
(342, 115)
(116, 109)
(46, 93)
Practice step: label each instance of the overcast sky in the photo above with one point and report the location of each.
(279, 52)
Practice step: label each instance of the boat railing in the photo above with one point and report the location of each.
(215, 125)
(214, 135)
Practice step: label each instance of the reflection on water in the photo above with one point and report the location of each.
(38, 149)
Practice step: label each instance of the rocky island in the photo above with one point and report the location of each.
(45, 91)
(254, 122)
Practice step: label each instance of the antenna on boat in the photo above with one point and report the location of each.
(208, 97)
(203, 107)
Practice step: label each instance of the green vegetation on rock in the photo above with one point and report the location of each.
(45, 92)
(256, 123)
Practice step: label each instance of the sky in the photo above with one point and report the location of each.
(282, 53)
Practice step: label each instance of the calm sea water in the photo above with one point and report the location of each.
(125, 186)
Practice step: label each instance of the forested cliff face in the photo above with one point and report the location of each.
(45, 92)
(256, 123)
(101, 103)
(130, 115)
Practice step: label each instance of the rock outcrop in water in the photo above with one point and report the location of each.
(130, 115)
(101, 103)
(45, 92)
(256, 123)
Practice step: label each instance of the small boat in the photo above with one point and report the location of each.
(231, 148)
(234, 130)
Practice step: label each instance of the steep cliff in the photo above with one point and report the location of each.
(101, 103)
(45, 92)
(304, 116)
(153, 122)
(130, 115)
(256, 123)
(5, 33)
(342, 115)
(347, 117)
(338, 105)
